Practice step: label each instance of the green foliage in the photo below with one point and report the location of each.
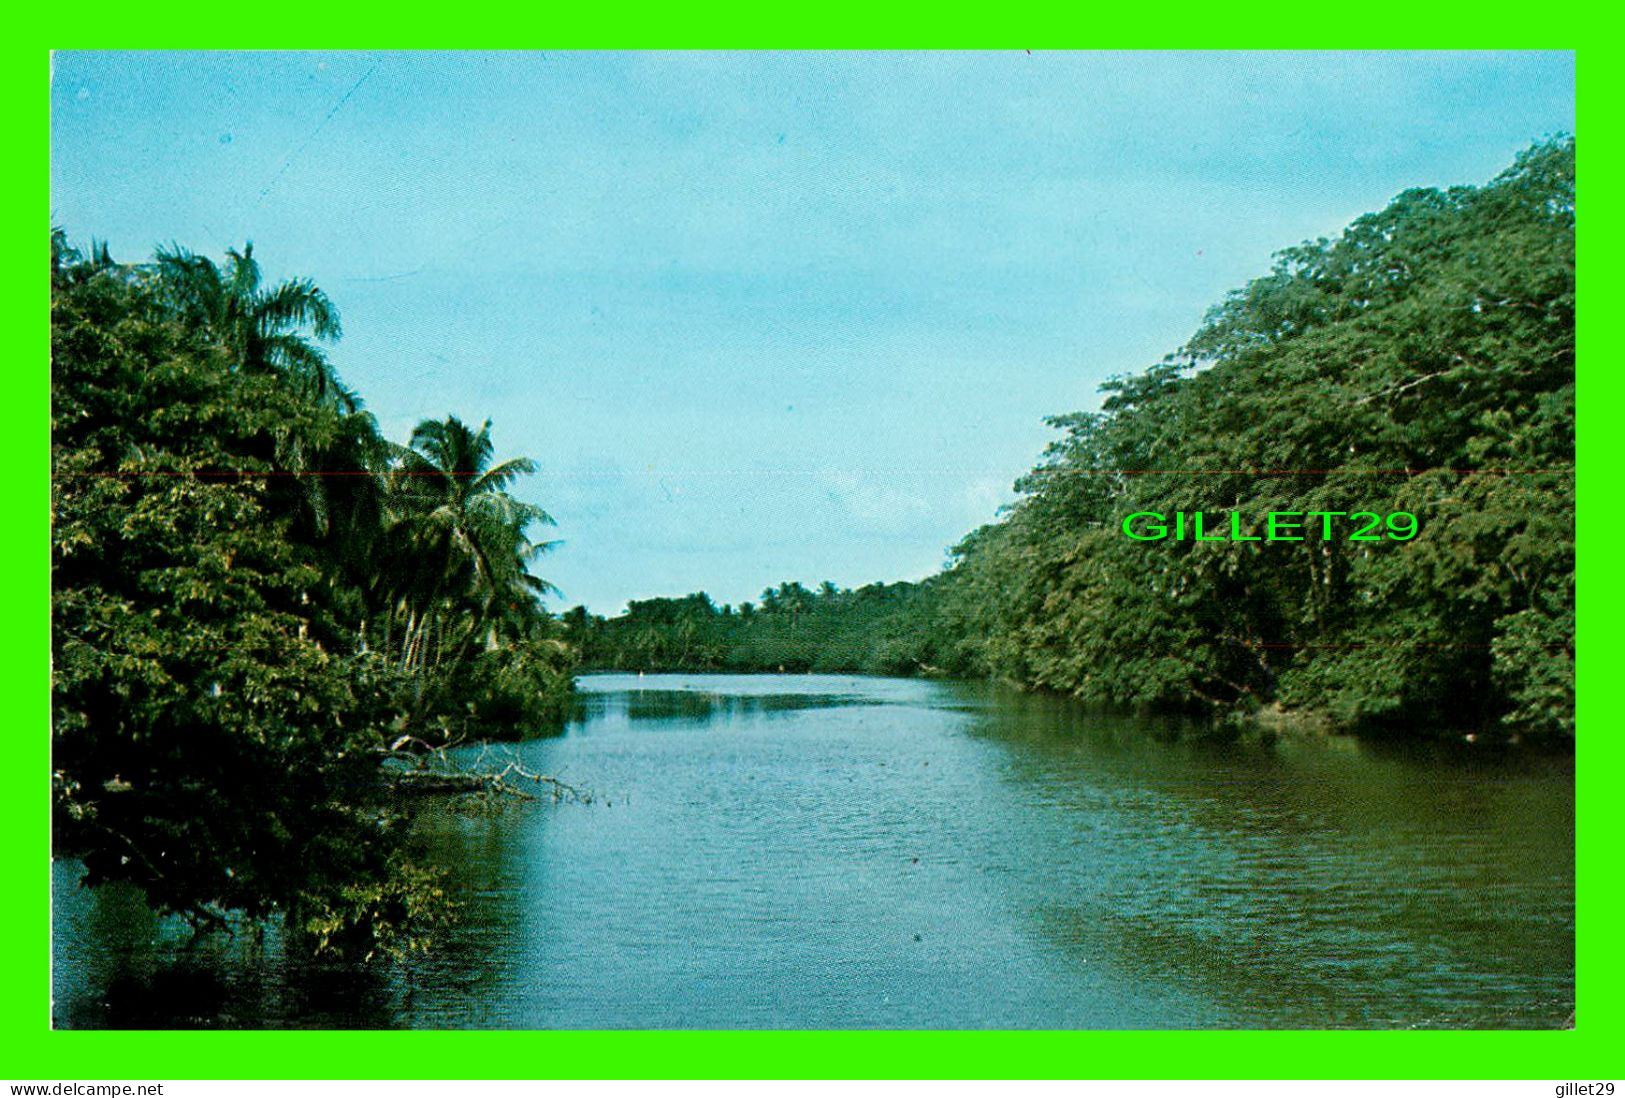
(1423, 362)
(884, 629)
(519, 688)
(220, 716)
(394, 916)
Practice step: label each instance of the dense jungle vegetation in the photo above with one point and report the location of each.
(258, 602)
(880, 629)
(261, 606)
(1423, 362)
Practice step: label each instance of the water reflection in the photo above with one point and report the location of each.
(1317, 883)
(680, 707)
(116, 965)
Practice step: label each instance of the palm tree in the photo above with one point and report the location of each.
(794, 600)
(269, 329)
(69, 263)
(344, 507)
(463, 540)
(259, 327)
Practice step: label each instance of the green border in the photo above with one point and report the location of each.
(36, 1052)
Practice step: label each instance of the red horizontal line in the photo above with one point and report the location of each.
(793, 472)
(262, 473)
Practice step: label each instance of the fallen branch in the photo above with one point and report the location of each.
(478, 782)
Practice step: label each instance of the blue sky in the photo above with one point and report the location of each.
(766, 316)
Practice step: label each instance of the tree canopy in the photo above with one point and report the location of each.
(258, 603)
(1423, 361)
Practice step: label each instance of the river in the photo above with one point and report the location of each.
(830, 852)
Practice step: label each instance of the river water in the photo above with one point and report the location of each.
(830, 852)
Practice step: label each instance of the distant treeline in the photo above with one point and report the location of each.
(1422, 362)
(881, 629)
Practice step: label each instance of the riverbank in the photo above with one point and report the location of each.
(1265, 724)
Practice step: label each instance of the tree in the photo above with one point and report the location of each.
(1421, 362)
(221, 720)
(465, 538)
(260, 328)
(210, 743)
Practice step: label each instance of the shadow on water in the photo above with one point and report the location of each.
(695, 707)
(116, 965)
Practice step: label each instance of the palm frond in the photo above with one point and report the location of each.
(242, 272)
(500, 476)
(298, 303)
